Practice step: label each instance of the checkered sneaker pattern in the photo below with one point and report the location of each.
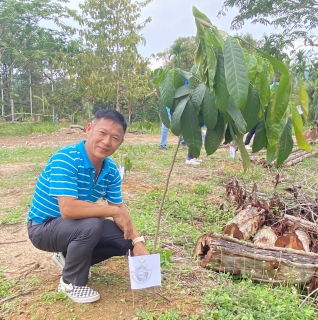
(79, 294)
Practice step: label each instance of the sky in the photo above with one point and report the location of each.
(173, 18)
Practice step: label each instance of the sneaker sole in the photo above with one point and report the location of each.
(79, 300)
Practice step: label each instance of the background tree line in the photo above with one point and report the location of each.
(69, 72)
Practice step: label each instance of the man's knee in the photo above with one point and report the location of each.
(92, 227)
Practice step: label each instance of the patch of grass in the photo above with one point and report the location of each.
(14, 216)
(6, 287)
(246, 300)
(52, 297)
(24, 129)
(26, 154)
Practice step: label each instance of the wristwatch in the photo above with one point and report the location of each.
(139, 239)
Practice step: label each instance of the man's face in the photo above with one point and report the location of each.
(104, 137)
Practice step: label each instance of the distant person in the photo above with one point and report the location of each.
(64, 217)
(249, 137)
(190, 158)
(164, 135)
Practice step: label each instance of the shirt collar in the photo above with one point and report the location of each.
(87, 162)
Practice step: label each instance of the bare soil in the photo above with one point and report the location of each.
(37, 276)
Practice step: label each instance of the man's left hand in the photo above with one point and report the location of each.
(140, 249)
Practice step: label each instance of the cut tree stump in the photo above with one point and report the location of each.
(290, 240)
(261, 263)
(245, 223)
(265, 237)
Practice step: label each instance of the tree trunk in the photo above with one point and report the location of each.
(245, 223)
(261, 263)
(53, 109)
(11, 94)
(2, 95)
(31, 102)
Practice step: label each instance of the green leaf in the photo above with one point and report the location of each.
(298, 128)
(164, 115)
(227, 137)
(279, 103)
(271, 153)
(221, 92)
(211, 61)
(251, 62)
(238, 139)
(303, 99)
(166, 90)
(176, 117)
(182, 91)
(260, 140)
(178, 77)
(198, 95)
(214, 136)
(210, 111)
(236, 73)
(198, 54)
(214, 39)
(274, 130)
(198, 14)
(262, 85)
(191, 130)
(286, 143)
(237, 117)
(251, 108)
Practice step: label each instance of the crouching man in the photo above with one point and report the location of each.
(64, 217)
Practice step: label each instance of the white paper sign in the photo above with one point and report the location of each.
(299, 109)
(232, 152)
(145, 271)
(121, 172)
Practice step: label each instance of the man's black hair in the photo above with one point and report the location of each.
(111, 114)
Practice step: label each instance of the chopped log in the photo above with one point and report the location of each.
(265, 264)
(297, 154)
(289, 240)
(265, 237)
(245, 223)
(76, 126)
(300, 223)
(288, 163)
(304, 238)
(311, 134)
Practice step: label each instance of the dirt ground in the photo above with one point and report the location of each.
(22, 262)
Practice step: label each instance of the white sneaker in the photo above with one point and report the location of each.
(80, 294)
(199, 160)
(193, 161)
(59, 260)
(247, 147)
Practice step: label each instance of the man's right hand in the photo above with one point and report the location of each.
(123, 221)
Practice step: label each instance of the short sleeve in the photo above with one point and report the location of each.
(113, 188)
(63, 176)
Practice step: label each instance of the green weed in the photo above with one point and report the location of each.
(15, 216)
(245, 300)
(24, 129)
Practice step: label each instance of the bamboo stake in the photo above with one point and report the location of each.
(164, 195)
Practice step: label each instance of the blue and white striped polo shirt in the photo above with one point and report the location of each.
(70, 173)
